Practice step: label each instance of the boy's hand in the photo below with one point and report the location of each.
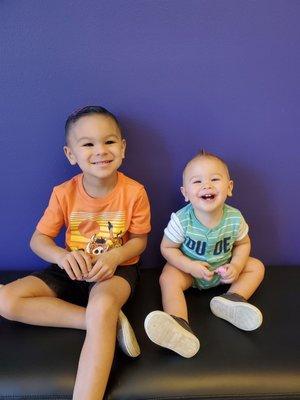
(77, 264)
(230, 272)
(200, 269)
(105, 267)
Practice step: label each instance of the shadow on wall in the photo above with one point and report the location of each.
(259, 212)
(148, 161)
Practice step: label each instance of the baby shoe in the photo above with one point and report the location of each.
(126, 337)
(171, 332)
(235, 309)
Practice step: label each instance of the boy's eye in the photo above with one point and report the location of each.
(198, 181)
(110, 142)
(215, 179)
(88, 144)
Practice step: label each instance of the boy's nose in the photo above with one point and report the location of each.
(100, 149)
(206, 185)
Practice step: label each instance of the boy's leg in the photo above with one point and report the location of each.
(170, 329)
(32, 301)
(249, 280)
(233, 306)
(173, 283)
(105, 302)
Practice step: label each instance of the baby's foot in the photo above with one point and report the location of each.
(126, 337)
(234, 308)
(171, 332)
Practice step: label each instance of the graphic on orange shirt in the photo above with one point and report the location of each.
(102, 230)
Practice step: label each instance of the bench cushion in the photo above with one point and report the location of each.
(41, 363)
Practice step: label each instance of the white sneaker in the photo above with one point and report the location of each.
(235, 309)
(126, 337)
(171, 332)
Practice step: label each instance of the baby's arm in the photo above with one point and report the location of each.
(171, 252)
(76, 263)
(107, 263)
(240, 255)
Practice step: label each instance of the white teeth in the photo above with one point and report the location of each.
(101, 162)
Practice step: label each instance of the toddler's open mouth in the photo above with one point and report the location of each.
(208, 196)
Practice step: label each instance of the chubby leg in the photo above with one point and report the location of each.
(170, 329)
(173, 283)
(31, 301)
(233, 306)
(249, 279)
(105, 302)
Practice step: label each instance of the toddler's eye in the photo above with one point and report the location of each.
(198, 181)
(109, 142)
(88, 145)
(215, 179)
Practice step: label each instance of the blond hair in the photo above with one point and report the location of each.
(205, 154)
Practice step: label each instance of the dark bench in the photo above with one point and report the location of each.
(40, 363)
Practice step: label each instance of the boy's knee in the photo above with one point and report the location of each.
(258, 267)
(165, 279)
(171, 278)
(102, 309)
(8, 303)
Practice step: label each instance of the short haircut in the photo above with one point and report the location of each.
(85, 111)
(205, 154)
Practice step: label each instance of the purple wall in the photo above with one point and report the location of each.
(181, 75)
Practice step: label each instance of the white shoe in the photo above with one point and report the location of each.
(235, 309)
(126, 337)
(172, 333)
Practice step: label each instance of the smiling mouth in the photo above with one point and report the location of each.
(208, 196)
(101, 162)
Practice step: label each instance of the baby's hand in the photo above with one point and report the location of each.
(104, 268)
(221, 271)
(228, 272)
(77, 264)
(200, 269)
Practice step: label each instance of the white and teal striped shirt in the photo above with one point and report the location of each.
(198, 242)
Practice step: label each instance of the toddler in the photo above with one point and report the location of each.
(205, 244)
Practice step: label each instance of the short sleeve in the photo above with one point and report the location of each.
(243, 229)
(174, 231)
(53, 219)
(140, 220)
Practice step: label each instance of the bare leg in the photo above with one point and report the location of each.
(249, 279)
(173, 283)
(170, 328)
(106, 300)
(31, 301)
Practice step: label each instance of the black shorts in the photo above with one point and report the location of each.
(78, 291)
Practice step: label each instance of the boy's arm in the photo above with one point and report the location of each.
(76, 263)
(240, 255)
(107, 263)
(171, 252)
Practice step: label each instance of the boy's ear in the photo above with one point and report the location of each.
(70, 156)
(230, 188)
(182, 189)
(123, 148)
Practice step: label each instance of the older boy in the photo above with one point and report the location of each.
(205, 243)
(103, 204)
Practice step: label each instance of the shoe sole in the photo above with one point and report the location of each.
(164, 331)
(126, 337)
(244, 316)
